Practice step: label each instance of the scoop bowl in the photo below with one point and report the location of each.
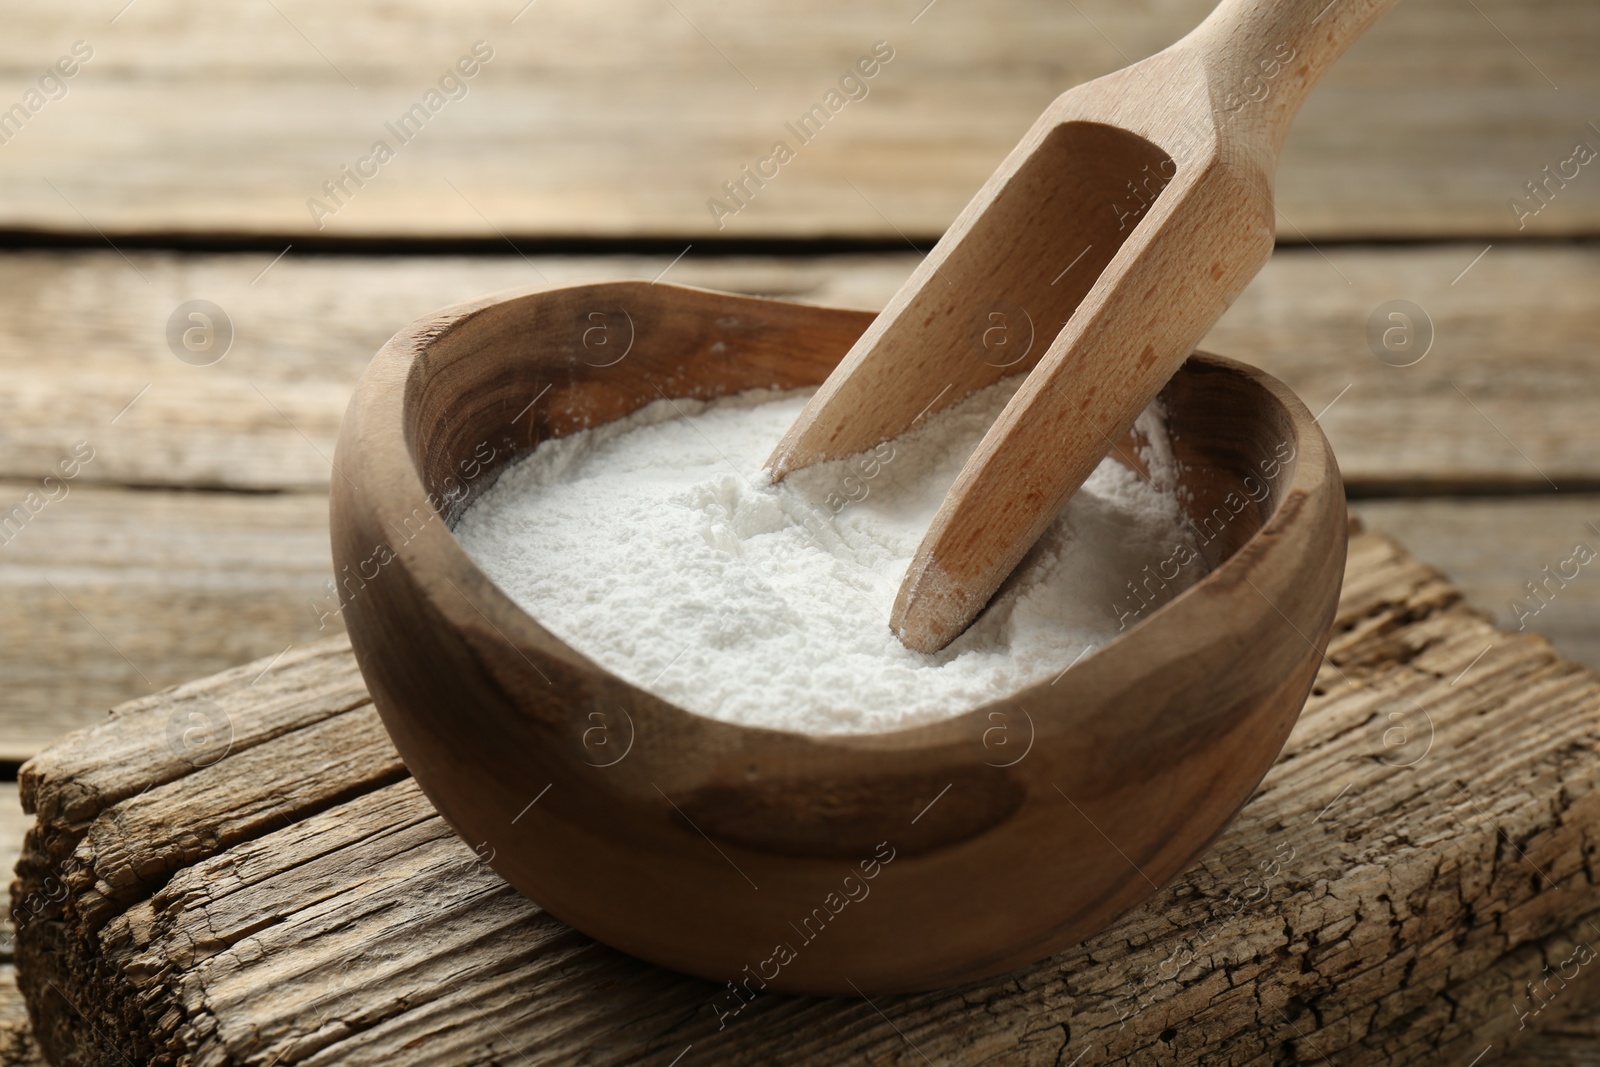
(770, 860)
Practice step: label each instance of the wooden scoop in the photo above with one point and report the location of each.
(1122, 226)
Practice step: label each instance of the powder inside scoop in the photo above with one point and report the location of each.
(657, 546)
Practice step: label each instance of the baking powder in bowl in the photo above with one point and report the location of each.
(658, 547)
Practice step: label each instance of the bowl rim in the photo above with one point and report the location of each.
(439, 563)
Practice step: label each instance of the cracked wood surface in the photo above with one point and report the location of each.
(1425, 848)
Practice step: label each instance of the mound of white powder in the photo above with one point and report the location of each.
(658, 547)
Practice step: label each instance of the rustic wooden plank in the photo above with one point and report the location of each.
(345, 755)
(1492, 549)
(304, 687)
(1510, 334)
(189, 583)
(1384, 898)
(117, 593)
(623, 118)
(85, 339)
(193, 582)
(1504, 400)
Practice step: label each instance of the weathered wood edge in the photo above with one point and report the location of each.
(1415, 916)
(17, 1046)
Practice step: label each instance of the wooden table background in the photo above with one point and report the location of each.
(179, 163)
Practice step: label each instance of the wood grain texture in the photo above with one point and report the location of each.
(1492, 549)
(1573, 1041)
(1516, 351)
(624, 118)
(1511, 336)
(1517, 334)
(114, 593)
(1378, 901)
(85, 337)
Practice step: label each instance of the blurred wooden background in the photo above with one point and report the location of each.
(177, 161)
(619, 118)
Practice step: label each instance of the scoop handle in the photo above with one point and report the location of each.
(1263, 56)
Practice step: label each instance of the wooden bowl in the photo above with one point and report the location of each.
(900, 861)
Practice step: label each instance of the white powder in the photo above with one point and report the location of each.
(658, 547)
